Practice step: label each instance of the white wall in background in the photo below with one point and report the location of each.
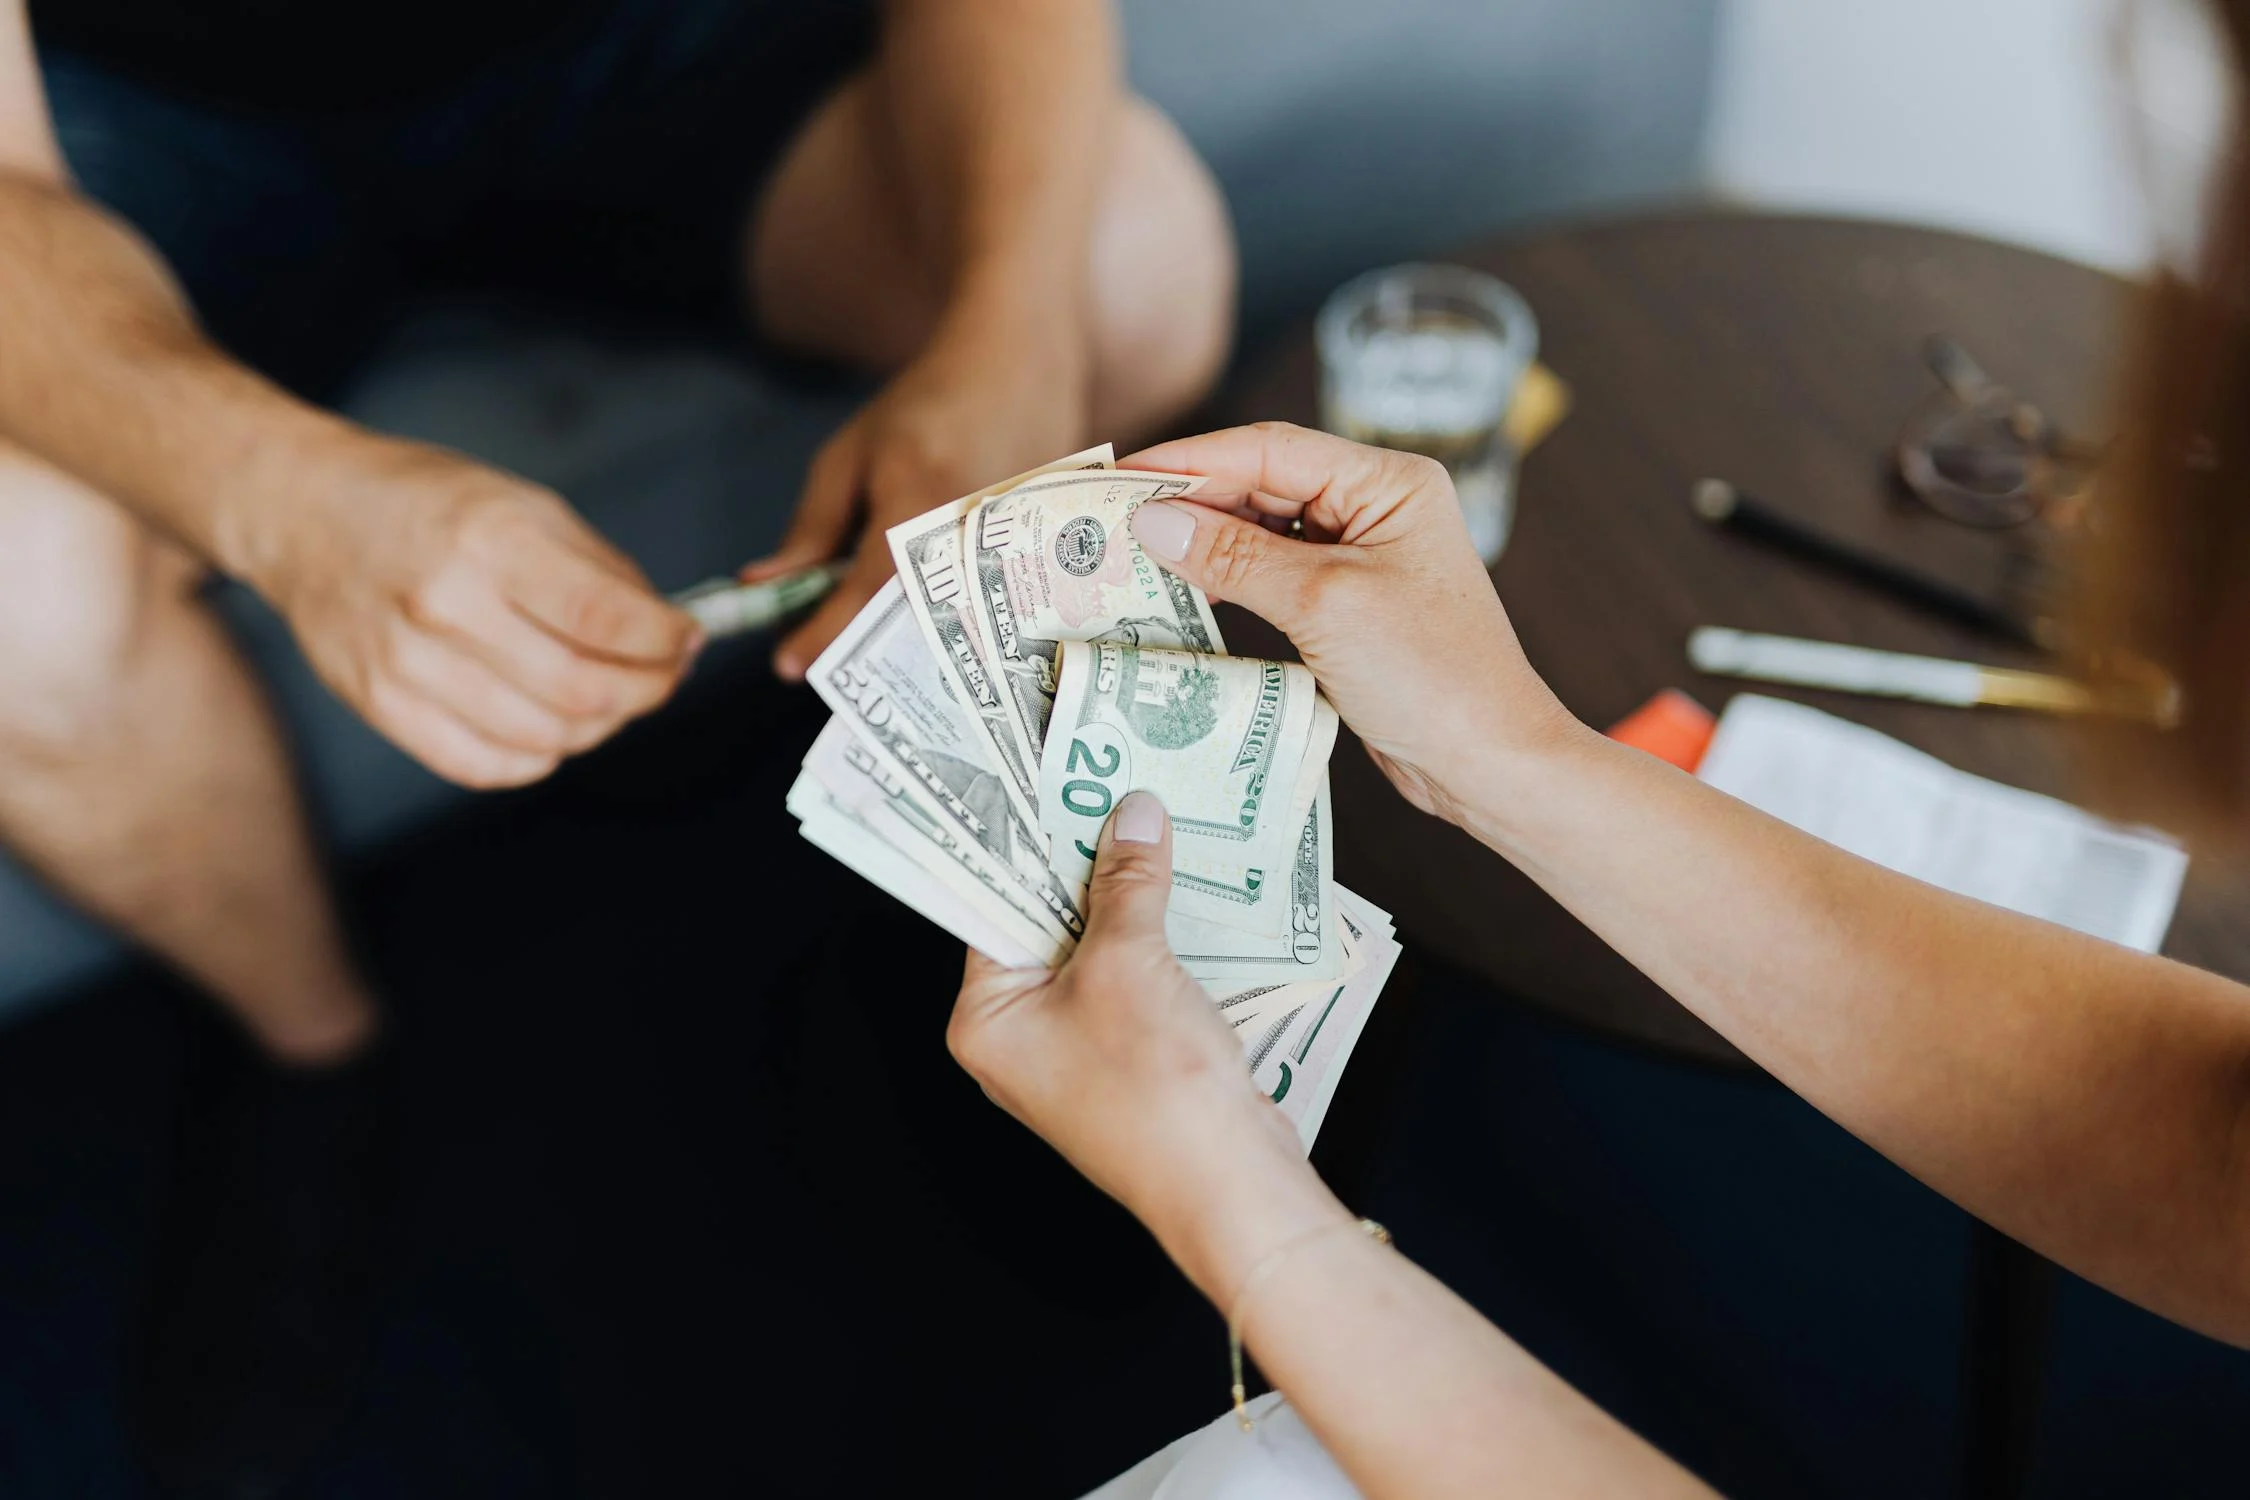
(2007, 118)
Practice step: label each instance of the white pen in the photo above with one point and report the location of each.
(724, 607)
(1924, 679)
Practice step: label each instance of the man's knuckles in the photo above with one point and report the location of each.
(443, 601)
(590, 614)
(488, 535)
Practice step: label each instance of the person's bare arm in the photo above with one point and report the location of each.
(1120, 1062)
(2091, 1101)
(27, 135)
(466, 613)
(1412, 1391)
(998, 114)
(104, 372)
(1007, 103)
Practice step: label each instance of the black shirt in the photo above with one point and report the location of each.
(295, 54)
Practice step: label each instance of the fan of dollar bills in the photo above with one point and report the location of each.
(1028, 667)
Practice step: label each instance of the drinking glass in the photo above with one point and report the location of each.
(1428, 358)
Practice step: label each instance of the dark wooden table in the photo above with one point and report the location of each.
(1781, 355)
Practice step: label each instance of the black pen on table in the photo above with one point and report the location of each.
(1721, 504)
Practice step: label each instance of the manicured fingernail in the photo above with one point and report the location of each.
(1140, 820)
(1164, 529)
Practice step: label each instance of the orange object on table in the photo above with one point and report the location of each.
(1670, 726)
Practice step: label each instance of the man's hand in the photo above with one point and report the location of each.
(980, 403)
(472, 618)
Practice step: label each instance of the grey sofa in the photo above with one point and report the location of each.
(1346, 133)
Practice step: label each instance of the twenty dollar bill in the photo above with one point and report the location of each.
(1222, 741)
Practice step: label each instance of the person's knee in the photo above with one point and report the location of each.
(1164, 274)
(838, 267)
(85, 595)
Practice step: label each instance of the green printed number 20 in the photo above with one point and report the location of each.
(1103, 760)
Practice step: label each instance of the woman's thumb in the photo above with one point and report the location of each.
(1232, 558)
(1132, 872)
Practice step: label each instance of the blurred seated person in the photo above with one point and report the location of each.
(2088, 1100)
(206, 212)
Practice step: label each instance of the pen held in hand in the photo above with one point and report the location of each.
(724, 607)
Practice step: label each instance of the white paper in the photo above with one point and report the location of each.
(1911, 812)
(1278, 1459)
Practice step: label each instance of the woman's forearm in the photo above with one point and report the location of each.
(1411, 1390)
(2092, 1101)
(1418, 1396)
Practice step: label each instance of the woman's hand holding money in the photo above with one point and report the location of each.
(1380, 592)
(1118, 1060)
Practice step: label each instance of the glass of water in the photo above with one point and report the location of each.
(1428, 359)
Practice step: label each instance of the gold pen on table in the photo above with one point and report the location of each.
(724, 606)
(1924, 679)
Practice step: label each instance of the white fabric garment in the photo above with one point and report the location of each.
(1278, 1459)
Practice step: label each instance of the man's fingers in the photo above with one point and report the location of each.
(1273, 576)
(436, 670)
(449, 747)
(1343, 488)
(825, 510)
(794, 657)
(1132, 881)
(825, 513)
(585, 690)
(597, 612)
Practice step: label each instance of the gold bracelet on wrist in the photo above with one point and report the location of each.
(1258, 1272)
